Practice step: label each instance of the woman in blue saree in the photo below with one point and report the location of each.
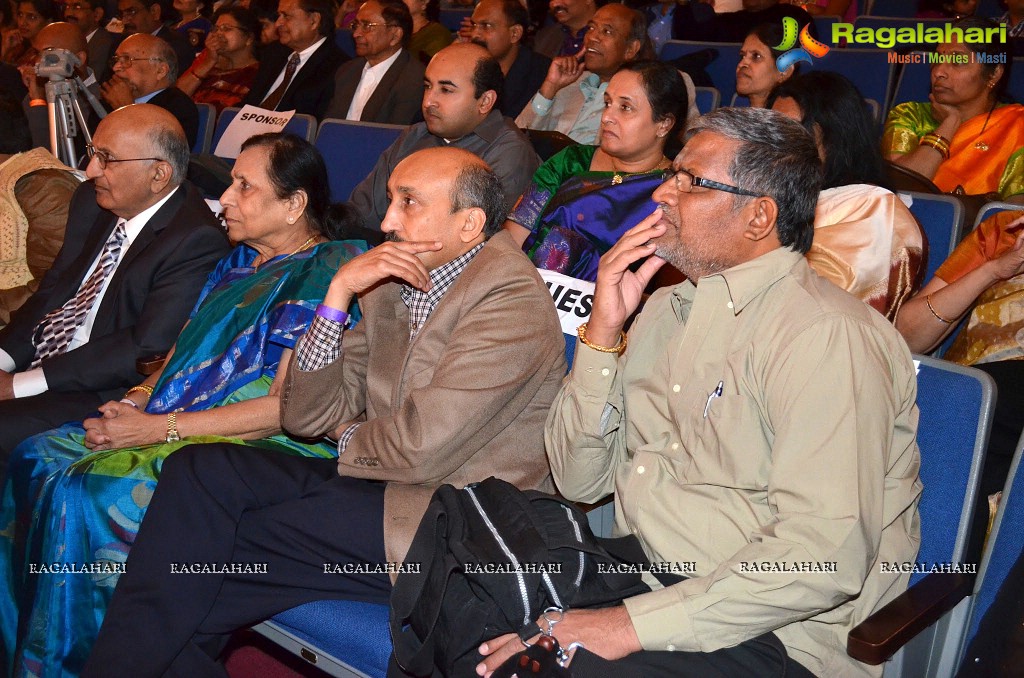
(585, 197)
(77, 494)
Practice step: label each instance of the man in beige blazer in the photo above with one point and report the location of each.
(448, 378)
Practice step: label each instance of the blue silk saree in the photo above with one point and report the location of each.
(70, 515)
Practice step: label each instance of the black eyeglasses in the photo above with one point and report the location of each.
(684, 186)
(103, 158)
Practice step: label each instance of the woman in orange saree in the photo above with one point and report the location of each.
(963, 139)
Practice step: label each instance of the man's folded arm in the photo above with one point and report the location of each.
(583, 438)
(495, 361)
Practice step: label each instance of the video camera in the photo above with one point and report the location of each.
(57, 64)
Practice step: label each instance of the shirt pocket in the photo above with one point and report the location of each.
(731, 447)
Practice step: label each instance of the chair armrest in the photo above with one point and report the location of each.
(878, 637)
(149, 365)
(587, 508)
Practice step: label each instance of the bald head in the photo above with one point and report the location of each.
(153, 64)
(145, 154)
(471, 182)
(61, 35)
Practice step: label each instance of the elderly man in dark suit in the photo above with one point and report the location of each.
(145, 71)
(385, 83)
(300, 78)
(147, 17)
(138, 247)
(450, 372)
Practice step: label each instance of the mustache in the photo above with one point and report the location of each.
(391, 236)
(478, 41)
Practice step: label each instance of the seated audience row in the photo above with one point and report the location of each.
(467, 393)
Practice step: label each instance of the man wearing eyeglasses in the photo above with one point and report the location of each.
(759, 432)
(88, 15)
(145, 70)
(147, 16)
(384, 83)
(139, 244)
(299, 77)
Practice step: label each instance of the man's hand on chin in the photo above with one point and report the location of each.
(6, 385)
(606, 632)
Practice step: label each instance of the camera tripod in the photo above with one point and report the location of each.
(63, 110)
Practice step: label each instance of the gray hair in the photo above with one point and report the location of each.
(777, 158)
(165, 53)
(478, 186)
(172, 146)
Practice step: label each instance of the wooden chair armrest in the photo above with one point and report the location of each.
(150, 364)
(878, 637)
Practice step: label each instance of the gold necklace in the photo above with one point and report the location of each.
(980, 143)
(304, 246)
(618, 176)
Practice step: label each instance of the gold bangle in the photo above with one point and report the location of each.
(936, 142)
(928, 301)
(143, 388)
(617, 349)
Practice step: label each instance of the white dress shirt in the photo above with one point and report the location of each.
(303, 58)
(368, 85)
(33, 382)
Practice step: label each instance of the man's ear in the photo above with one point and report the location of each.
(516, 33)
(764, 213)
(487, 101)
(155, 10)
(471, 224)
(162, 175)
(633, 49)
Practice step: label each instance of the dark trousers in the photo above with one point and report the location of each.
(25, 417)
(761, 657)
(1007, 423)
(223, 503)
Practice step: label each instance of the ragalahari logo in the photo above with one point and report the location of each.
(809, 47)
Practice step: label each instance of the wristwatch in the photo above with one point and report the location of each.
(172, 428)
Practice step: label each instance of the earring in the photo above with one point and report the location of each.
(291, 220)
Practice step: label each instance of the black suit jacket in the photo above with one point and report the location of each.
(146, 302)
(312, 87)
(101, 48)
(397, 99)
(181, 107)
(183, 49)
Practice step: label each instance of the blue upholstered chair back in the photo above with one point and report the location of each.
(956, 411)
(708, 99)
(722, 70)
(351, 150)
(207, 117)
(942, 218)
(1004, 547)
(868, 69)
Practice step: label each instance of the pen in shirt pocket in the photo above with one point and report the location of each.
(717, 393)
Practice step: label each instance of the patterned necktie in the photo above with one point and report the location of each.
(54, 333)
(271, 102)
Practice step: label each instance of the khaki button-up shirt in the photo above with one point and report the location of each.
(804, 459)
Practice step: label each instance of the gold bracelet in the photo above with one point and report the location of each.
(143, 388)
(928, 301)
(172, 428)
(618, 348)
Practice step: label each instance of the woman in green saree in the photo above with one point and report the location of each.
(77, 494)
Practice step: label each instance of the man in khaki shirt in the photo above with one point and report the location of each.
(761, 427)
